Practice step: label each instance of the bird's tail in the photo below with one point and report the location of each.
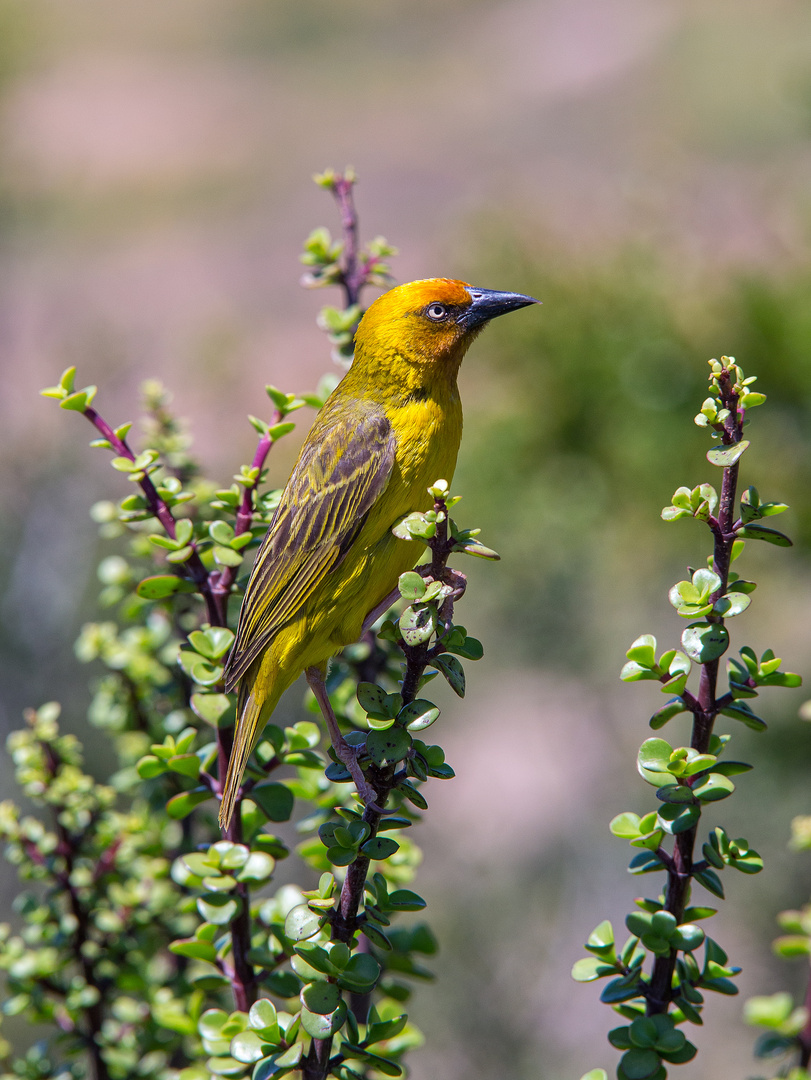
(253, 709)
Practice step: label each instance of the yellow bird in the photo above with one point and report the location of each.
(329, 563)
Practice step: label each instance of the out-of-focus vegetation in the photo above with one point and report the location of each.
(643, 169)
(577, 421)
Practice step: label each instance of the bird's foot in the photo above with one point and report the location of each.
(348, 755)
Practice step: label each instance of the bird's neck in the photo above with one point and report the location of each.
(401, 375)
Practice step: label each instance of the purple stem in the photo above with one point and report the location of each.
(194, 566)
(222, 581)
(215, 588)
(353, 273)
(345, 921)
(705, 707)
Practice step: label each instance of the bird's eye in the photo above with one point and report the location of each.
(436, 312)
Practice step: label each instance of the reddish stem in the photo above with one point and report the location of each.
(194, 566)
(705, 707)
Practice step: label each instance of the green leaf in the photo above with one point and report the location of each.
(257, 869)
(704, 642)
(687, 937)
(210, 707)
(634, 672)
(405, 900)
(711, 882)
(590, 968)
(667, 712)
(739, 710)
(79, 401)
(725, 456)
(180, 806)
(675, 818)
(185, 764)
(262, 1015)
(275, 800)
(417, 715)
(212, 643)
(194, 949)
(211, 1024)
(411, 585)
(654, 755)
(474, 547)
(204, 673)
(388, 747)
(417, 624)
(150, 766)
(453, 671)
(469, 648)
(321, 997)
(412, 794)
(278, 431)
(732, 604)
(361, 973)
(248, 1047)
(624, 989)
(225, 1066)
(640, 1064)
(760, 532)
(219, 908)
(162, 585)
(713, 787)
(374, 699)
(643, 651)
(301, 923)
(625, 826)
(380, 847)
(675, 794)
(226, 556)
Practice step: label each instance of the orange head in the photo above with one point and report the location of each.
(422, 330)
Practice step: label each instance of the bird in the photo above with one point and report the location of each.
(329, 564)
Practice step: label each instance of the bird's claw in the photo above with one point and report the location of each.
(348, 756)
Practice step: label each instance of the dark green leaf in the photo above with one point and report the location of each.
(760, 532)
(321, 997)
(389, 746)
(713, 787)
(453, 672)
(710, 880)
(275, 800)
(380, 847)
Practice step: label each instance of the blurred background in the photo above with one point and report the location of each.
(642, 166)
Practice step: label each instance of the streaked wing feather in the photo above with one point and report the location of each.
(342, 470)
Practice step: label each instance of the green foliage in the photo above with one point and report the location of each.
(659, 978)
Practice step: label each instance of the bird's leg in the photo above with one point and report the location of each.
(377, 611)
(347, 754)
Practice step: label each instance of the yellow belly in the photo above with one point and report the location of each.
(334, 615)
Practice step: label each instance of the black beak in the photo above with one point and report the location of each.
(486, 304)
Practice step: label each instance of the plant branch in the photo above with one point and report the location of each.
(705, 707)
(344, 918)
(193, 565)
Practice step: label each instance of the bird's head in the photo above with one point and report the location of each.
(425, 327)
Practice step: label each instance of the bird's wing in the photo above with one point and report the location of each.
(343, 468)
